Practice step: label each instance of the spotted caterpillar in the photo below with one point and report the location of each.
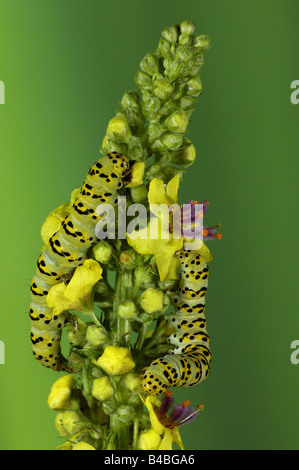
(66, 250)
(189, 363)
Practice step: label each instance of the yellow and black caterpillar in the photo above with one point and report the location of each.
(189, 363)
(66, 250)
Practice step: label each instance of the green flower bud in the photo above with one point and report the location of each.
(151, 300)
(187, 27)
(172, 141)
(154, 131)
(125, 413)
(194, 87)
(109, 145)
(149, 64)
(183, 54)
(177, 122)
(187, 102)
(102, 389)
(131, 99)
(169, 284)
(76, 333)
(133, 382)
(96, 335)
(102, 252)
(162, 88)
(202, 42)
(143, 79)
(164, 48)
(127, 309)
(139, 193)
(175, 70)
(170, 34)
(108, 406)
(187, 156)
(119, 127)
(128, 259)
(185, 39)
(152, 106)
(76, 361)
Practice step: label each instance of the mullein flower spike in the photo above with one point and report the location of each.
(115, 302)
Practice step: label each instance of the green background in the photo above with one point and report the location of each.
(66, 65)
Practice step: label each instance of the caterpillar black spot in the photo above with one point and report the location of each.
(66, 250)
(189, 363)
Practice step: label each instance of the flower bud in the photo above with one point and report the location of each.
(116, 360)
(187, 27)
(143, 79)
(127, 259)
(102, 252)
(151, 106)
(72, 422)
(149, 440)
(170, 34)
(127, 309)
(177, 122)
(175, 70)
(162, 88)
(139, 193)
(75, 360)
(164, 48)
(60, 395)
(202, 42)
(149, 64)
(187, 156)
(76, 333)
(109, 406)
(172, 141)
(131, 100)
(183, 54)
(133, 382)
(102, 389)
(194, 87)
(96, 335)
(119, 125)
(151, 300)
(154, 131)
(187, 102)
(83, 446)
(59, 425)
(125, 413)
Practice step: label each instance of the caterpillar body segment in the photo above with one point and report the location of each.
(66, 250)
(189, 362)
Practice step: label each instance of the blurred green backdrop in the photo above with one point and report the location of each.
(65, 66)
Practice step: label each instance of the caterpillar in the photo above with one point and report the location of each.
(66, 250)
(189, 363)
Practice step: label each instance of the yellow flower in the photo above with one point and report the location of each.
(62, 297)
(116, 360)
(159, 437)
(60, 395)
(118, 125)
(164, 246)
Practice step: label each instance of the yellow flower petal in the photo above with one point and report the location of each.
(84, 278)
(142, 241)
(172, 188)
(53, 221)
(151, 300)
(83, 446)
(148, 402)
(136, 175)
(102, 388)
(60, 395)
(177, 438)
(157, 193)
(166, 443)
(167, 262)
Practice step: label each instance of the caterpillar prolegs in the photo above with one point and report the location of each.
(189, 363)
(66, 250)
